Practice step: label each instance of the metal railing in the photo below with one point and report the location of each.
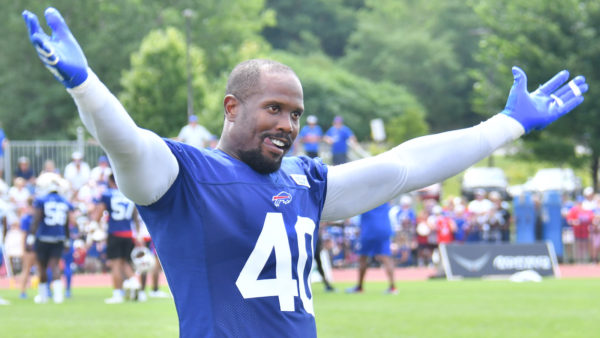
(38, 152)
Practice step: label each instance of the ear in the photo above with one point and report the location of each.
(232, 107)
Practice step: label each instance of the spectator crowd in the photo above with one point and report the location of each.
(87, 237)
(419, 226)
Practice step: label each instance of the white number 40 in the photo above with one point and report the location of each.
(274, 237)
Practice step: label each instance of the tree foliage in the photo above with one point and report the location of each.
(155, 88)
(442, 63)
(542, 38)
(331, 90)
(36, 107)
(312, 25)
(404, 43)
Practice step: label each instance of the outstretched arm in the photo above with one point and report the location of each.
(355, 187)
(144, 166)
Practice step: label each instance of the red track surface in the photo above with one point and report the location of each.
(347, 275)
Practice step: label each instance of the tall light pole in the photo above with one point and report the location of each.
(188, 14)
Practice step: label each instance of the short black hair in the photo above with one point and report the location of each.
(244, 78)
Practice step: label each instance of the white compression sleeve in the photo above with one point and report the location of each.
(356, 187)
(143, 164)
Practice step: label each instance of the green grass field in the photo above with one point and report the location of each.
(474, 308)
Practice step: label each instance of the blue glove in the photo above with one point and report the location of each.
(549, 102)
(60, 53)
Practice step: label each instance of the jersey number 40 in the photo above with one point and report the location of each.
(273, 236)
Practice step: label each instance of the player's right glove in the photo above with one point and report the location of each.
(60, 53)
(538, 109)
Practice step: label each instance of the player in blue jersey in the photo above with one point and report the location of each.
(122, 216)
(339, 136)
(310, 136)
(235, 227)
(49, 235)
(375, 234)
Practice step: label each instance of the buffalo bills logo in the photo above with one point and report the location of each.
(282, 197)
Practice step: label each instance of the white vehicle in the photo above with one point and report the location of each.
(554, 179)
(485, 178)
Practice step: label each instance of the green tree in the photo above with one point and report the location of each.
(406, 126)
(331, 90)
(426, 47)
(222, 28)
(542, 38)
(312, 25)
(34, 106)
(155, 91)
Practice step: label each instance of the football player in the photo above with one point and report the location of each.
(49, 234)
(122, 214)
(217, 216)
(375, 234)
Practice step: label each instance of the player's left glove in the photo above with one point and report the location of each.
(549, 102)
(60, 53)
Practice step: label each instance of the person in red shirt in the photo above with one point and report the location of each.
(444, 226)
(580, 218)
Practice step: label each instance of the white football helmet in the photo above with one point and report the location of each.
(49, 182)
(143, 259)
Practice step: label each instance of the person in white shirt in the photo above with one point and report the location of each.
(194, 134)
(18, 193)
(77, 172)
(480, 209)
(101, 172)
(480, 205)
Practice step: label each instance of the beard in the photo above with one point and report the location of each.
(260, 163)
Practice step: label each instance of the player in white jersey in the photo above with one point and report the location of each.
(235, 227)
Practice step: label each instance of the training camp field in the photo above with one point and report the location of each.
(567, 307)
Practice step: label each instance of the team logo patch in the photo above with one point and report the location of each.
(300, 180)
(282, 197)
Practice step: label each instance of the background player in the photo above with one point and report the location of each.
(375, 234)
(218, 262)
(310, 136)
(122, 214)
(49, 235)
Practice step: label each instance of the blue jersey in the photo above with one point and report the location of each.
(375, 223)
(55, 216)
(340, 138)
(120, 212)
(308, 132)
(237, 246)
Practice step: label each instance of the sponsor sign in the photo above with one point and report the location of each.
(498, 260)
(378, 130)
